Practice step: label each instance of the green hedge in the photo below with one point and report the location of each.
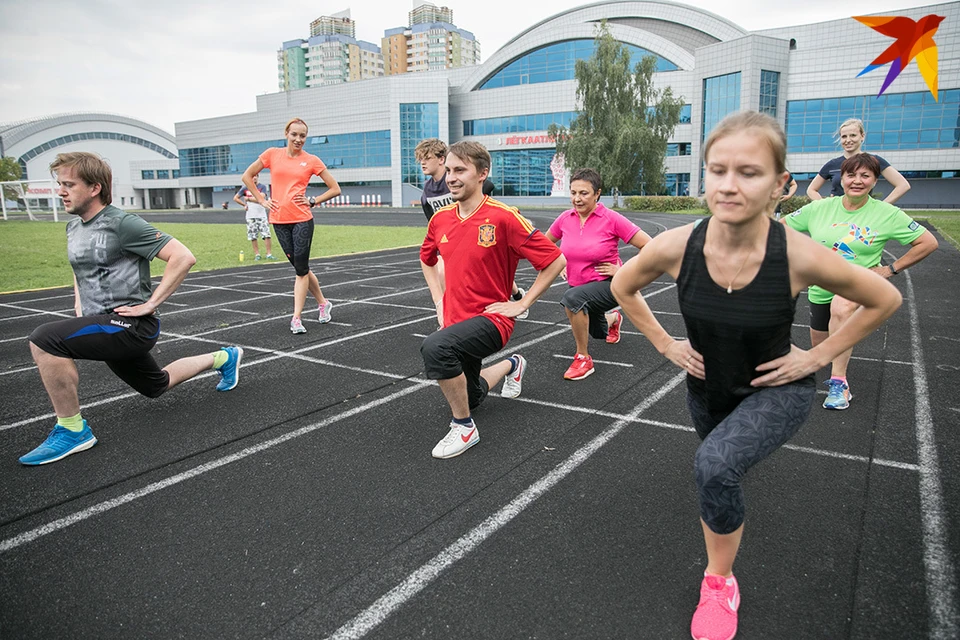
(662, 203)
(792, 204)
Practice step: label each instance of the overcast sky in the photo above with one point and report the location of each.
(174, 60)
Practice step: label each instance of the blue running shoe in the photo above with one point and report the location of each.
(838, 394)
(59, 444)
(230, 371)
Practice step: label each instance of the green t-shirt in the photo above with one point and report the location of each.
(110, 256)
(858, 236)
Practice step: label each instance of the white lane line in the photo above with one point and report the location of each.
(682, 427)
(208, 374)
(616, 364)
(246, 313)
(380, 610)
(938, 560)
(97, 509)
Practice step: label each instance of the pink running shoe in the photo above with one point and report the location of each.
(716, 615)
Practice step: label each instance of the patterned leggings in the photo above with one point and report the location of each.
(295, 240)
(761, 424)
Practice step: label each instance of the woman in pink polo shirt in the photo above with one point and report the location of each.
(589, 237)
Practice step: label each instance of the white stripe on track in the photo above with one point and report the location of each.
(97, 509)
(380, 610)
(938, 561)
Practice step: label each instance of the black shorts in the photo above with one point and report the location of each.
(820, 316)
(595, 299)
(295, 240)
(123, 343)
(461, 348)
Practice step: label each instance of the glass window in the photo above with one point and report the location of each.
(721, 95)
(556, 61)
(920, 122)
(417, 121)
(147, 174)
(163, 174)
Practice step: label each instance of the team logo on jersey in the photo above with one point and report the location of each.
(913, 226)
(444, 239)
(488, 236)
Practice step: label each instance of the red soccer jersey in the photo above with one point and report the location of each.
(480, 253)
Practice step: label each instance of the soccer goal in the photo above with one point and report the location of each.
(37, 198)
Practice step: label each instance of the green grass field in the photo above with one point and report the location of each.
(33, 255)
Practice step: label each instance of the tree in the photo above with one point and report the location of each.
(10, 171)
(623, 124)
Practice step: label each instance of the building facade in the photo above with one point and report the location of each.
(146, 171)
(804, 75)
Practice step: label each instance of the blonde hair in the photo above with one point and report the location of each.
(430, 147)
(847, 123)
(90, 168)
(768, 128)
(286, 129)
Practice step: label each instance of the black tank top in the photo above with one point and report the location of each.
(736, 331)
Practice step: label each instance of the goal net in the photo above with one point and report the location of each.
(34, 199)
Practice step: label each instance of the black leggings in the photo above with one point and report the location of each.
(762, 423)
(295, 240)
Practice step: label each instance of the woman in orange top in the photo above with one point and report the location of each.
(289, 207)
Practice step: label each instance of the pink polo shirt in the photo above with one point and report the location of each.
(596, 241)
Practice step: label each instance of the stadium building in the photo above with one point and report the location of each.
(805, 75)
(143, 157)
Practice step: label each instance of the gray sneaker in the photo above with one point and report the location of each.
(325, 312)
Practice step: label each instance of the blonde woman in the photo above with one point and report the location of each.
(850, 136)
(749, 389)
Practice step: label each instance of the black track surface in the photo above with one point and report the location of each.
(307, 496)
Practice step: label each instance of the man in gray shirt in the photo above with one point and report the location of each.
(110, 252)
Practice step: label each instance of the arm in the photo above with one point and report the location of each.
(898, 182)
(639, 240)
(661, 255)
(813, 190)
(919, 249)
(812, 263)
(545, 278)
(252, 170)
(77, 307)
(179, 261)
(790, 191)
(242, 203)
(333, 190)
(432, 275)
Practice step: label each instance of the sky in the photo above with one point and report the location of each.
(177, 60)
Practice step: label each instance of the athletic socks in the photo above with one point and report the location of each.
(464, 422)
(514, 363)
(843, 379)
(73, 423)
(220, 358)
(516, 297)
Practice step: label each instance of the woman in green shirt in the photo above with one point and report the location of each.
(857, 227)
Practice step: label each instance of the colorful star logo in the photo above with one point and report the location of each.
(914, 40)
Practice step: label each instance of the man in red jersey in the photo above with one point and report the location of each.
(481, 241)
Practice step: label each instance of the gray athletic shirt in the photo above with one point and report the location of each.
(110, 256)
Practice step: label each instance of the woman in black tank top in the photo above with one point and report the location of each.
(748, 387)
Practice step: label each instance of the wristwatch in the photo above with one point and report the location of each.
(893, 270)
(313, 201)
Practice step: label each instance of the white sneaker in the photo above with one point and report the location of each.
(296, 326)
(325, 312)
(526, 313)
(513, 381)
(457, 441)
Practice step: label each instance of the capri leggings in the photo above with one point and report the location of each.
(295, 240)
(820, 316)
(762, 423)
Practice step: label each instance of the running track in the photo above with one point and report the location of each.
(305, 503)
